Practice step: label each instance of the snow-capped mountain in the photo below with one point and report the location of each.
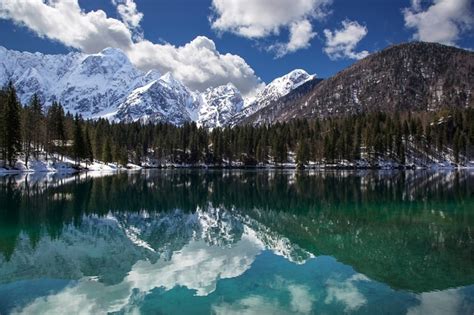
(162, 100)
(92, 85)
(219, 105)
(108, 85)
(276, 89)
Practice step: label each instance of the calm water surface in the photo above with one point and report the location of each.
(241, 242)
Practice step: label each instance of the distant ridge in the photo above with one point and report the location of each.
(413, 76)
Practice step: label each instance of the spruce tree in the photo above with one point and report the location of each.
(302, 154)
(28, 130)
(79, 145)
(89, 155)
(37, 124)
(12, 125)
(107, 151)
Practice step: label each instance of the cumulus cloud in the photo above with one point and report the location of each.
(64, 21)
(198, 64)
(256, 19)
(301, 34)
(442, 22)
(127, 10)
(341, 43)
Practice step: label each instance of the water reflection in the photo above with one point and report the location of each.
(238, 242)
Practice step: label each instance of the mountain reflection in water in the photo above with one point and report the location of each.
(238, 242)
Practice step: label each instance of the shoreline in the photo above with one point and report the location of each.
(6, 172)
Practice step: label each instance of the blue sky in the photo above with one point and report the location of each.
(328, 35)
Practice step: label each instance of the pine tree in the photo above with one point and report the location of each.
(79, 146)
(3, 103)
(302, 154)
(12, 126)
(261, 152)
(28, 130)
(280, 150)
(89, 155)
(37, 124)
(107, 151)
(55, 129)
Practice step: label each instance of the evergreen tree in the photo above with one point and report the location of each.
(280, 151)
(89, 155)
(37, 124)
(3, 103)
(28, 130)
(79, 145)
(12, 126)
(55, 129)
(107, 151)
(302, 154)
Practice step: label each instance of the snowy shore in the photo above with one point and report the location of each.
(63, 166)
(71, 168)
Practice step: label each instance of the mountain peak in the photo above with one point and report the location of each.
(110, 53)
(295, 77)
(415, 76)
(168, 77)
(296, 73)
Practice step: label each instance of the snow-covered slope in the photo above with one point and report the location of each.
(99, 83)
(92, 85)
(162, 100)
(219, 105)
(276, 89)
(108, 85)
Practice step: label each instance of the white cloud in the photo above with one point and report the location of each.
(127, 10)
(256, 19)
(301, 302)
(440, 302)
(251, 305)
(301, 299)
(198, 64)
(64, 21)
(346, 292)
(301, 34)
(341, 43)
(442, 22)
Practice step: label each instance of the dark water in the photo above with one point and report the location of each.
(195, 242)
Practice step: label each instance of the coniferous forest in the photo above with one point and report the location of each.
(33, 129)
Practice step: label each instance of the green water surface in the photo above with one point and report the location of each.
(238, 242)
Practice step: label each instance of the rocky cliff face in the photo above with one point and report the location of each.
(414, 76)
(219, 105)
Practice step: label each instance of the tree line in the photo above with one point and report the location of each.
(32, 129)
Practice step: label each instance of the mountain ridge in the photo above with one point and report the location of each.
(413, 76)
(107, 85)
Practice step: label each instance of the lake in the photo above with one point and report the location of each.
(238, 242)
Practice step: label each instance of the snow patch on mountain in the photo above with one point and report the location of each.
(276, 89)
(162, 100)
(92, 85)
(219, 105)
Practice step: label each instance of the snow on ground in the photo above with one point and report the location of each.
(62, 165)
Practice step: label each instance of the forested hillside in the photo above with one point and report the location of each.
(372, 139)
(414, 76)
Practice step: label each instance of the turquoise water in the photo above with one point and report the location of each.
(240, 242)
